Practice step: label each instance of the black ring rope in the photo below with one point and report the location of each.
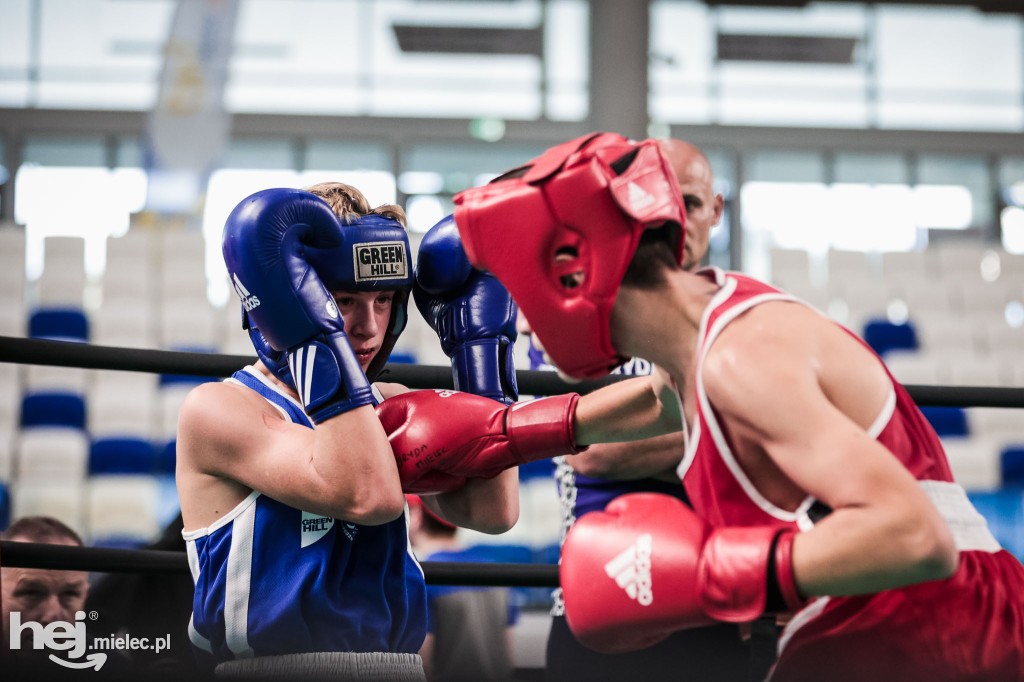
(75, 354)
(531, 382)
(110, 560)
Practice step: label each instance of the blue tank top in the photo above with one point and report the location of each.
(271, 579)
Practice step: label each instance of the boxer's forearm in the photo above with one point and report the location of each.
(625, 411)
(860, 550)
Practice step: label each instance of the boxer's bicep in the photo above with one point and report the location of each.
(226, 433)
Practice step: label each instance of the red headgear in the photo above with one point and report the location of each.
(579, 208)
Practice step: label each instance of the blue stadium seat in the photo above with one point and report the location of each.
(121, 456)
(884, 336)
(1004, 511)
(402, 358)
(166, 459)
(5, 507)
(947, 421)
(53, 408)
(1011, 464)
(59, 323)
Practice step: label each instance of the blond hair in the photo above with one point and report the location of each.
(348, 203)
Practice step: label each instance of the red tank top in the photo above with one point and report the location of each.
(719, 489)
(969, 626)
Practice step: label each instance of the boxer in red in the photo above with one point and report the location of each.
(820, 492)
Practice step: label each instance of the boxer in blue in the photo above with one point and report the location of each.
(292, 503)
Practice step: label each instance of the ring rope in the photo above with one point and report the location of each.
(531, 382)
(34, 351)
(111, 560)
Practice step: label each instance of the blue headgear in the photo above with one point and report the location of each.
(373, 255)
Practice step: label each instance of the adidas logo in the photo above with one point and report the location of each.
(631, 570)
(314, 527)
(248, 300)
(639, 197)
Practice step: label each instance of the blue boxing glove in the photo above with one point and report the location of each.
(472, 313)
(264, 244)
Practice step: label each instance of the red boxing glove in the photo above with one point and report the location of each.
(441, 438)
(648, 566)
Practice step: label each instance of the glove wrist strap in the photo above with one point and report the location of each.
(486, 367)
(781, 563)
(540, 429)
(328, 377)
(745, 572)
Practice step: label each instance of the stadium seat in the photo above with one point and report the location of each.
(7, 453)
(5, 507)
(974, 462)
(957, 258)
(53, 408)
(126, 323)
(10, 395)
(904, 265)
(1004, 512)
(121, 456)
(884, 336)
(939, 332)
(122, 508)
(51, 453)
(63, 279)
(947, 421)
(911, 367)
(12, 261)
(185, 324)
(129, 274)
(1011, 464)
(166, 458)
(44, 378)
(783, 261)
(848, 265)
(61, 499)
(1000, 423)
(122, 404)
(977, 372)
(13, 316)
(63, 323)
(402, 358)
